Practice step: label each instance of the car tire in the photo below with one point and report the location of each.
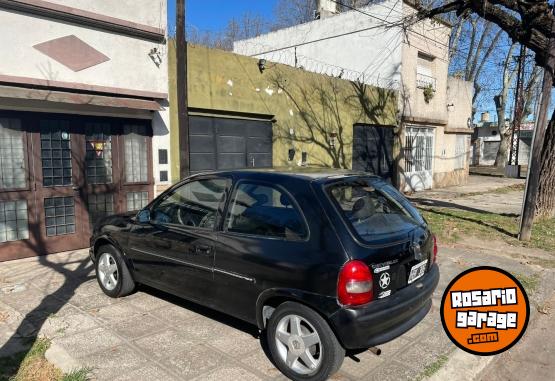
(289, 349)
(112, 273)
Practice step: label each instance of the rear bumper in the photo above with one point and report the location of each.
(383, 320)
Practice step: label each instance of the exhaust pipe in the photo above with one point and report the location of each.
(375, 350)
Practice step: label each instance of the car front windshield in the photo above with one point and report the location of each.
(369, 211)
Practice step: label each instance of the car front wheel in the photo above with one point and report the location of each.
(302, 344)
(112, 273)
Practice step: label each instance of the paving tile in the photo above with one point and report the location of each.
(203, 329)
(89, 287)
(24, 302)
(56, 326)
(393, 371)
(417, 330)
(140, 325)
(196, 361)
(391, 348)
(148, 372)
(111, 363)
(174, 314)
(235, 343)
(91, 303)
(259, 361)
(116, 312)
(368, 362)
(229, 373)
(418, 356)
(438, 340)
(341, 376)
(85, 343)
(10, 344)
(165, 344)
(147, 302)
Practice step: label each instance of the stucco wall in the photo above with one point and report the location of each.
(372, 55)
(447, 168)
(459, 103)
(129, 66)
(147, 12)
(305, 106)
(432, 38)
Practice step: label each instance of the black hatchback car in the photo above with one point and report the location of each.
(324, 262)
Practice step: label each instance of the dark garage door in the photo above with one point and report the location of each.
(222, 143)
(373, 150)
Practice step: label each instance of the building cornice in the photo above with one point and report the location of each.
(439, 19)
(11, 80)
(85, 18)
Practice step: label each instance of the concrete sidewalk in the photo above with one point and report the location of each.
(480, 194)
(151, 335)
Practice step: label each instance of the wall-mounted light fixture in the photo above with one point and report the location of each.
(291, 154)
(262, 65)
(155, 56)
(450, 107)
(333, 139)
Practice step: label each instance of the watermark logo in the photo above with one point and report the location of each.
(485, 311)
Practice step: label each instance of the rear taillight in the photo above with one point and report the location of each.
(435, 248)
(354, 286)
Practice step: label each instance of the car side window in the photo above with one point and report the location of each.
(194, 204)
(264, 210)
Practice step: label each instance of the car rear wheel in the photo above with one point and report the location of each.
(112, 273)
(302, 344)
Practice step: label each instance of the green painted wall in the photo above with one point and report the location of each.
(313, 113)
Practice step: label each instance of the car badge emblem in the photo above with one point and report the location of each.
(385, 279)
(417, 251)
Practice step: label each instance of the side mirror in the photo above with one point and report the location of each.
(143, 217)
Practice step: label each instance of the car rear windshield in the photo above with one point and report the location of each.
(372, 212)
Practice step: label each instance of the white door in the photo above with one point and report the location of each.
(419, 154)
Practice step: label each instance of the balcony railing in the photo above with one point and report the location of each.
(423, 81)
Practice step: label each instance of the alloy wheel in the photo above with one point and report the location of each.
(298, 344)
(108, 271)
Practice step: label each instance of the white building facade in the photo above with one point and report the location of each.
(374, 46)
(84, 117)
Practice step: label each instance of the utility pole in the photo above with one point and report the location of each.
(513, 166)
(181, 79)
(532, 182)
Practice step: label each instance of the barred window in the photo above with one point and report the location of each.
(100, 206)
(60, 215)
(13, 171)
(55, 142)
(14, 223)
(136, 201)
(98, 153)
(135, 154)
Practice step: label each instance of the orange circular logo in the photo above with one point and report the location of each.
(485, 311)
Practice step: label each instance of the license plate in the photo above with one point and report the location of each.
(417, 271)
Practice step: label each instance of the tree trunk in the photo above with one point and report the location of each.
(545, 202)
(501, 158)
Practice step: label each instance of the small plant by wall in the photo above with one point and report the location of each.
(429, 93)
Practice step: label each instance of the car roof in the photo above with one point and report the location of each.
(304, 173)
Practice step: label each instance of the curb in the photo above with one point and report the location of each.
(461, 366)
(59, 357)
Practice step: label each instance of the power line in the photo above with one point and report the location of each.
(385, 21)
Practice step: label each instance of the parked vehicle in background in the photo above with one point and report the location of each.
(323, 261)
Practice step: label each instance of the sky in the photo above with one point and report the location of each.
(214, 14)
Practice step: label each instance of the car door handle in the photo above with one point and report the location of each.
(201, 249)
(163, 245)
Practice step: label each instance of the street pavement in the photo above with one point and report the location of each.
(152, 335)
